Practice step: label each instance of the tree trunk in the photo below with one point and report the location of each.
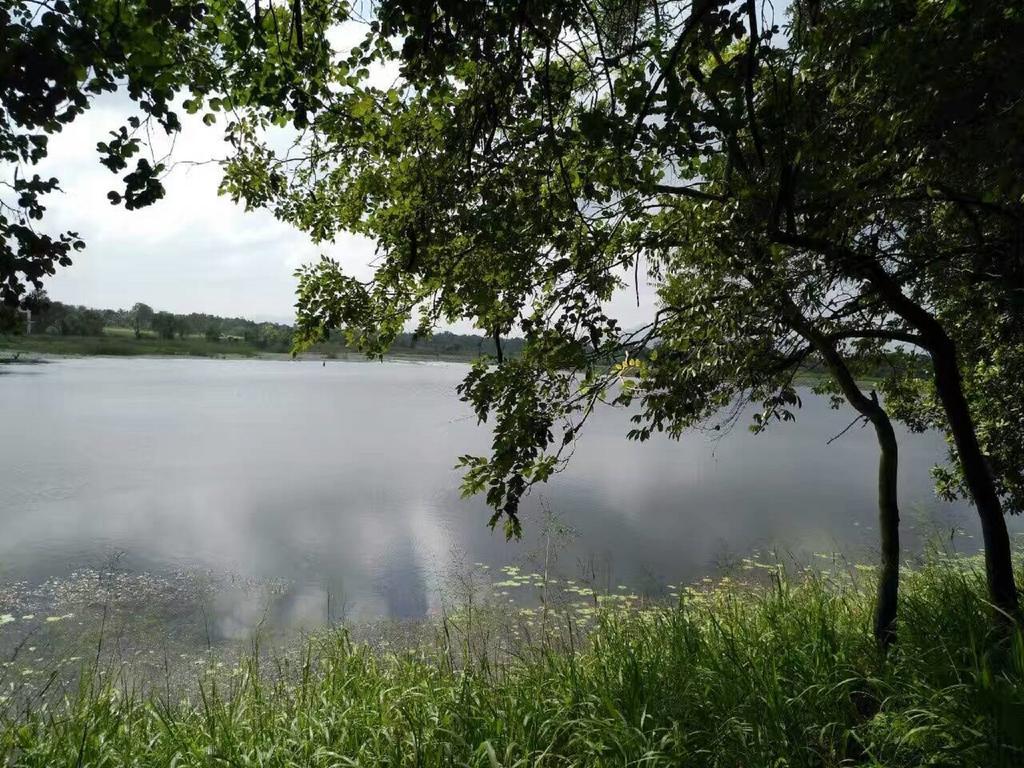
(887, 590)
(887, 595)
(888, 528)
(998, 562)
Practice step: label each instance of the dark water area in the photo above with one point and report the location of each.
(335, 485)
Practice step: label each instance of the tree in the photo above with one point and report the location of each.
(80, 321)
(165, 324)
(140, 316)
(11, 321)
(274, 337)
(924, 212)
(183, 325)
(526, 161)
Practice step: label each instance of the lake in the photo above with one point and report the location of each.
(337, 483)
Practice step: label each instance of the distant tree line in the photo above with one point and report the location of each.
(40, 314)
(43, 315)
(454, 344)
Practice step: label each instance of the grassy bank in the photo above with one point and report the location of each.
(783, 674)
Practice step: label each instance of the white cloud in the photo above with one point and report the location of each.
(192, 251)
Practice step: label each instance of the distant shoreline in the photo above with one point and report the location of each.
(41, 349)
(45, 348)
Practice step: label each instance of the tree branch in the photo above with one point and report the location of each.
(752, 39)
(879, 333)
(700, 8)
(696, 194)
(933, 337)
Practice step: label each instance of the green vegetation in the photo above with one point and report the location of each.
(784, 673)
(113, 342)
(122, 342)
(42, 317)
(64, 329)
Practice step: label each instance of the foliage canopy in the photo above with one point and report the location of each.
(827, 184)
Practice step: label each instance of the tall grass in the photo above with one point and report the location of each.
(781, 674)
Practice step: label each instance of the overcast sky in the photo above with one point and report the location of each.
(193, 251)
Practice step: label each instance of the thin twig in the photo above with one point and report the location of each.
(847, 429)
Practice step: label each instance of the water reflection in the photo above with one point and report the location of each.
(339, 481)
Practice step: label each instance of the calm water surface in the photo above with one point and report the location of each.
(339, 481)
